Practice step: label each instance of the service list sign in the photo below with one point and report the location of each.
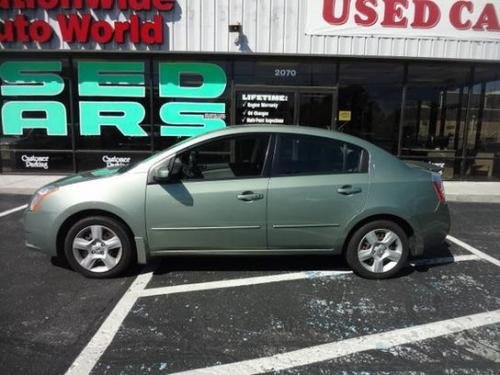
(78, 21)
(451, 19)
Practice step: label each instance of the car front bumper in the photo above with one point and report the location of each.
(39, 231)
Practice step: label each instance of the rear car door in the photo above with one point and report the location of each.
(219, 200)
(317, 185)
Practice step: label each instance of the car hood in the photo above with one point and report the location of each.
(86, 176)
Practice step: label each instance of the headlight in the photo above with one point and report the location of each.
(40, 195)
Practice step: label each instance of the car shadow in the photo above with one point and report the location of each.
(290, 263)
(270, 263)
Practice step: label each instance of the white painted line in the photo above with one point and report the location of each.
(12, 210)
(473, 250)
(232, 283)
(325, 352)
(89, 356)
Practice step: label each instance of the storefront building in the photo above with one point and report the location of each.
(99, 83)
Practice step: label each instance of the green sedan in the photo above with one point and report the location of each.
(245, 190)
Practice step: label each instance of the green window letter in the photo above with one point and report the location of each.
(188, 122)
(214, 80)
(98, 78)
(23, 78)
(14, 117)
(126, 116)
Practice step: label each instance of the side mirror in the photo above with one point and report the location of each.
(162, 174)
(166, 173)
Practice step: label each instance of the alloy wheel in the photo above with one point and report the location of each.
(97, 248)
(380, 250)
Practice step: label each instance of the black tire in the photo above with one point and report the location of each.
(127, 248)
(355, 241)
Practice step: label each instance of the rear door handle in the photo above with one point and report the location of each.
(348, 190)
(249, 196)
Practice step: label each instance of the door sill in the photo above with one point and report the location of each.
(246, 252)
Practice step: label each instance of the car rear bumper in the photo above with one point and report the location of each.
(433, 229)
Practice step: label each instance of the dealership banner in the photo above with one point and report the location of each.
(478, 19)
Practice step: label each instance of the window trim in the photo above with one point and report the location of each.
(365, 157)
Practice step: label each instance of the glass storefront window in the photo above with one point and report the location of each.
(54, 92)
(107, 91)
(370, 99)
(435, 111)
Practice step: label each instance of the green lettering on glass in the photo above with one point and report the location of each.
(23, 78)
(214, 80)
(14, 118)
(126, 116)
(179, 113)
(98, 78)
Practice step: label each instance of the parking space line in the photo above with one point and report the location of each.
(473, 250)
(89, 356)
(377, 341)
(12, 210)
(232, 283)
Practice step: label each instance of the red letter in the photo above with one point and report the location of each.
(329, 10)
(5, 4)
(40, 31)
(101, 32)
(152, 32)
(369, 12)
(21, 32)
(488, 19)
(164, 5)
(120, 29)
(134, 29)
(7, 31)
(425, 8)
(74, 28)
(393, 14)
(48, 4)
(100, 4)
(139, 4)
(456, 12)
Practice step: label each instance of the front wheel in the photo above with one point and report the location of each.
(98, 247)
(378, 250)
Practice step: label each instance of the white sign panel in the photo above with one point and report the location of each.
(468, 20)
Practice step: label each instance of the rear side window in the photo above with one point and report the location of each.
(303, 155)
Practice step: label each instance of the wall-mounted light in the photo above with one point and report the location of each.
(235, 28)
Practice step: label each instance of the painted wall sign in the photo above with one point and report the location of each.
(78, 21)
(110, 94)
(478, 19)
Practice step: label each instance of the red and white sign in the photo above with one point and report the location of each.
(454, 19)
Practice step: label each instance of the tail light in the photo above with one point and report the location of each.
(437, 183)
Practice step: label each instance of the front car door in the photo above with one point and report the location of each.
(218, 200)
(317, 184)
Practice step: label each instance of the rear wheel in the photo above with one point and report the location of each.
(378, 250)
(98, 247)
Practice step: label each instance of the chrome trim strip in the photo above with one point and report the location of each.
(208, 228)
(290, 226)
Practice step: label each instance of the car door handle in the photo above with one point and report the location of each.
(249, 196)
(348, 190)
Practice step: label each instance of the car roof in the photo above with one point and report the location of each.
(290, 129)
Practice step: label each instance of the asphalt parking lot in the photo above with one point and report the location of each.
(235, 315)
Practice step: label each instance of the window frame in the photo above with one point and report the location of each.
(265, 168)
(365, 157)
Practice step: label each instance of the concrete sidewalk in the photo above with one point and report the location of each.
(456, 191)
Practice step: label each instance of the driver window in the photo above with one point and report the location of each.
(226, 158)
